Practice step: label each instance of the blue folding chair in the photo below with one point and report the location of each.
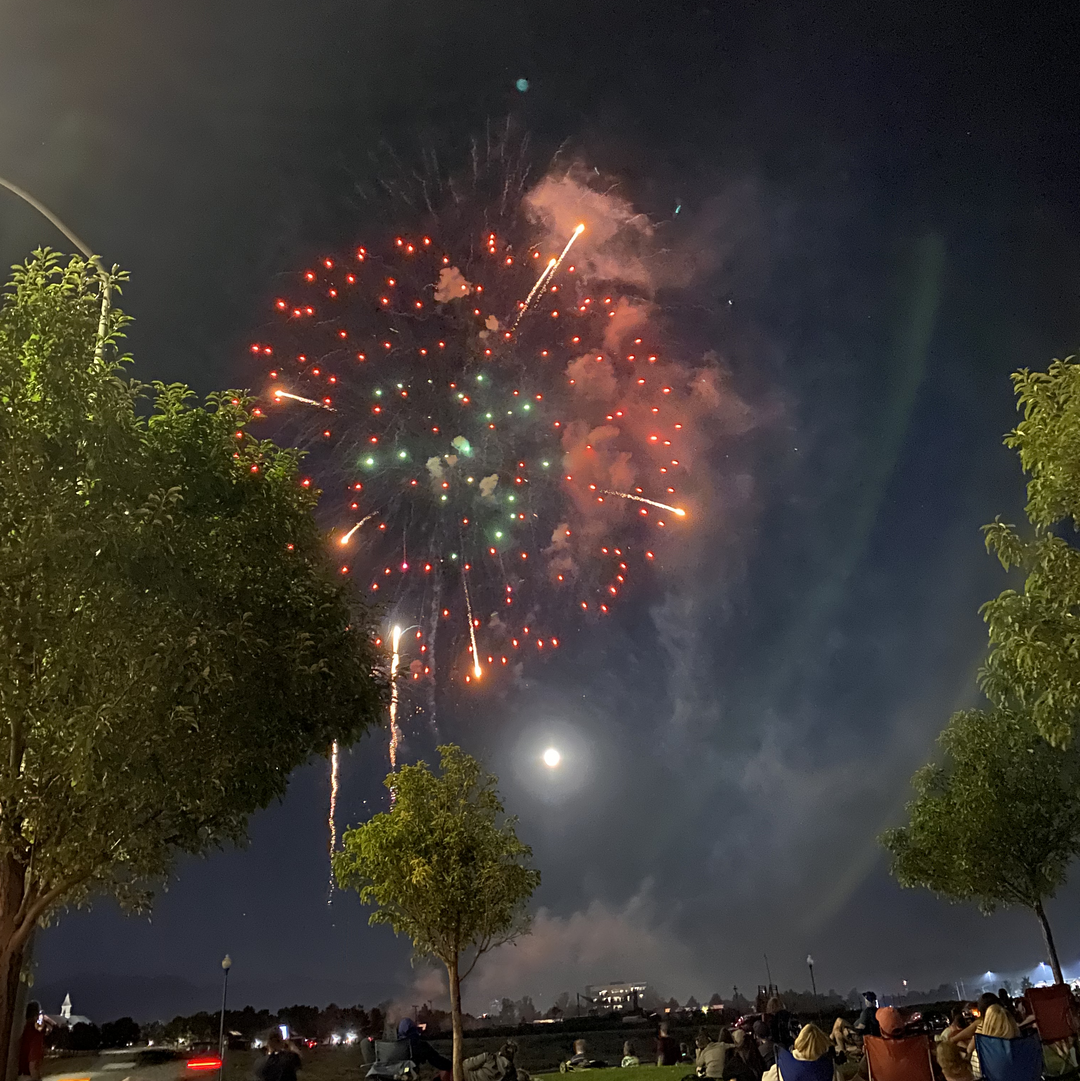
(1010, 1060)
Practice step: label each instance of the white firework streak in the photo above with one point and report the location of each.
(306, 401)
(395, 731)
(549, 272)
(333, 813)
(652, 502)
(534, 290)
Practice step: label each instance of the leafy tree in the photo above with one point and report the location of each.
(672, 1004)
(1034, 663)
(692, 1003)
(997, 822)
(716, 1000)
(443, 866)
(526, 1009)
(119, 1033)
(84, 1037)
(174, 640)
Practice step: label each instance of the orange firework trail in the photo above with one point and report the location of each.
(349, 536)
(477, 670)
(652, 502)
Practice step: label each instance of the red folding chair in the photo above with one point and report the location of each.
(906, 1059)
(1052, 1007)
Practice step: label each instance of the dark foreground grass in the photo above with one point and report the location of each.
(631, 1073)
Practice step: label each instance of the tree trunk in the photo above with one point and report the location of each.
(12, 947)
(1051, 949)
(458, 1054)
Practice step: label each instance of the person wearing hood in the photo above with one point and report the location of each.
(420, 1051)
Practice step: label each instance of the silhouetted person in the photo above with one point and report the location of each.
(667, 1048)
(32, 1044)
(281, 1061)
(867, 1024)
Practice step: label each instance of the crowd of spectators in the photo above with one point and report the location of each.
(884, 1042)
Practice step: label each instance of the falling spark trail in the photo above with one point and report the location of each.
(477, 670)
(534, 291)
(652, 502)
(348, 536)
(550, 271)
(306, 401)
(333, 813)
(395, 731)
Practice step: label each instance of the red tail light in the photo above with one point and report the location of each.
(204, 1062)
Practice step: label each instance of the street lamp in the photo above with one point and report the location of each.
(810, 965)
(226, 964)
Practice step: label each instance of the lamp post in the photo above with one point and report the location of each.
(226, 964)
(810, 965)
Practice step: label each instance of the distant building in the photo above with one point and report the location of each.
(65, 1018)
(617, 995)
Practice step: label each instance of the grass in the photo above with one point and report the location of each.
(647, 1072)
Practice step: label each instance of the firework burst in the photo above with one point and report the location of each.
(499, 435)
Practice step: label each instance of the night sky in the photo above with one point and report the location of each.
(889, 202)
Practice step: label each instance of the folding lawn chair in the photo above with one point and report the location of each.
(905, 1059)
(1052, 1007)
(1020, 1059)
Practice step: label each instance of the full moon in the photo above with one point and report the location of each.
(552, 758)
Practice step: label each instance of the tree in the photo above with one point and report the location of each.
(120, 1033)
(692, 1004)
(1034, 663)
(445, 867)
(997, 822)
(716, 1000)
(526, 1009)
(175, 642)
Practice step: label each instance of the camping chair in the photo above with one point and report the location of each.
(392, 1061)
(905, 1059)
(1052, 1007)
(1020, 1059)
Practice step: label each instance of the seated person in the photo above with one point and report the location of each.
(845, 1042)
(866, 1025)
(811, 1046)
(412, 1047)
(628, 1056)
(744, 1060)
(890, 1022)
(993, 1022)
(494, 1067)
(764, 1043)
(953, 1062)
(711, 1056)
(580, 1060)
(956, 1024)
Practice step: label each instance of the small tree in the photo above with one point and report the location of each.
(998, 822)
(444, 867)
(174, 640)
(1034, 663)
